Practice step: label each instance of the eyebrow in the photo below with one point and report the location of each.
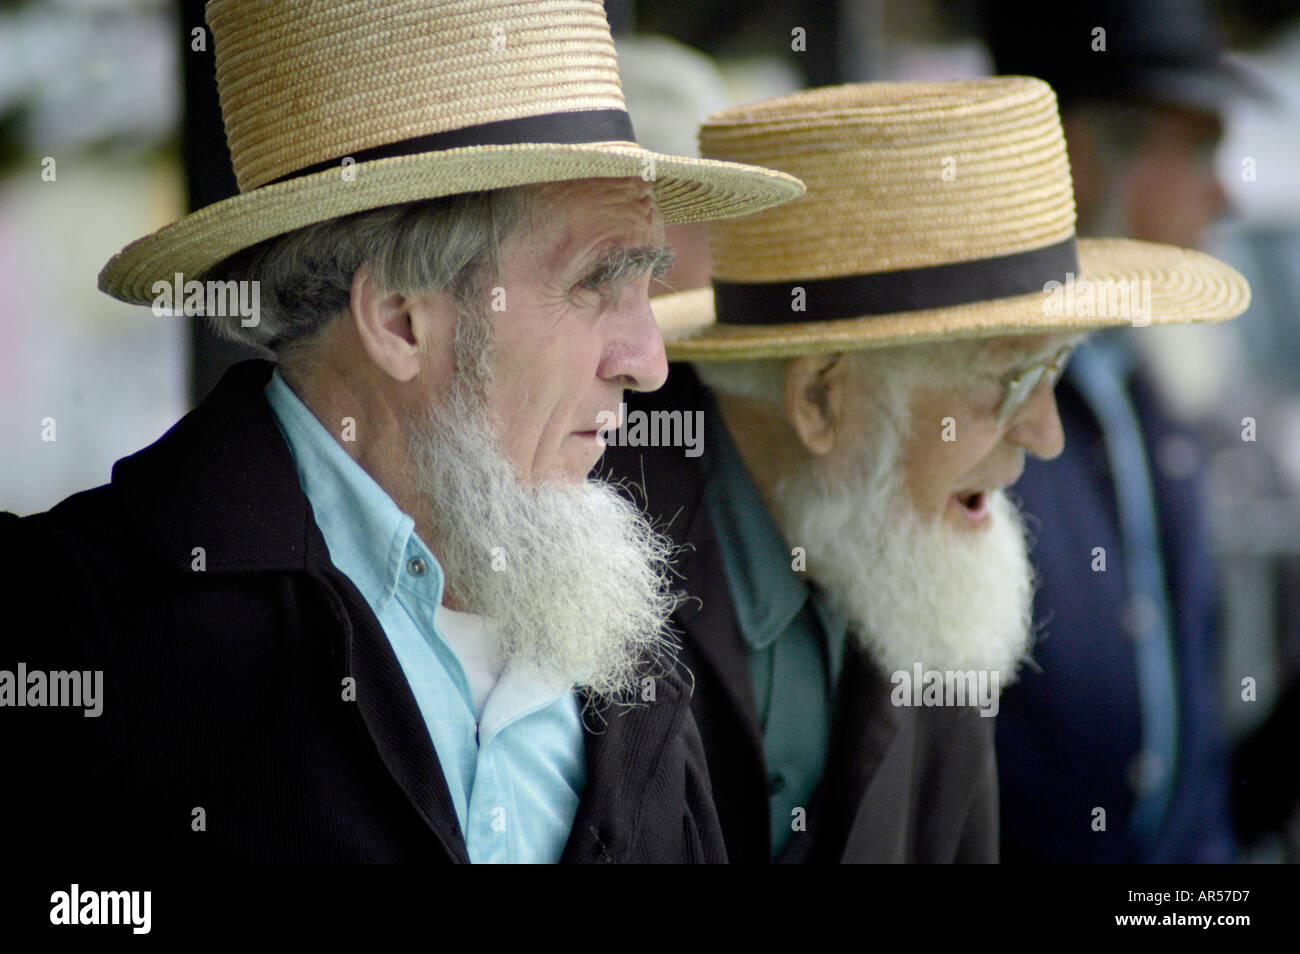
(619, 261)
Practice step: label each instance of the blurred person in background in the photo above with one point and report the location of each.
(1111, 747)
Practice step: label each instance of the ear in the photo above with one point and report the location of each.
(815, 386)
(395, 330)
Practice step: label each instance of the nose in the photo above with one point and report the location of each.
(635, 354)
(1037, 426)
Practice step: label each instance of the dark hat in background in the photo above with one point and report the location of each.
(1164, 52)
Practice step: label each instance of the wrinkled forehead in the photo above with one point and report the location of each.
(583, 212)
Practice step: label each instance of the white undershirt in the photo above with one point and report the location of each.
(499, 693)
(468, 636)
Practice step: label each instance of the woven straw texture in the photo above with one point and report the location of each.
(303, 82)
(912, 175)
(292, 100)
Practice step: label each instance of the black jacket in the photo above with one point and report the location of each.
(225, 704)
(900, 784)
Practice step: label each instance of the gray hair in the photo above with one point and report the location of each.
(306, 276)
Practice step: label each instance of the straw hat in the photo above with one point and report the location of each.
(934, 211)
(337, 106)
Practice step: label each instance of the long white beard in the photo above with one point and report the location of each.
(918, 591)
(572, 579)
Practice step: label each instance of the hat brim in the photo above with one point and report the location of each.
(688, 190)
(1185, 286)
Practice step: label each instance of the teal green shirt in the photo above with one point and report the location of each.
(794, 636)
(516, 769)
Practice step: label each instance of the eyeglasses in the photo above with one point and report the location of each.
(1018, 387)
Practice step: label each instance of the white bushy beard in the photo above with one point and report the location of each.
(570, 577)
(917, 591)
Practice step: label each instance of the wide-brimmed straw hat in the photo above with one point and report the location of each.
(934, 210)
(338, 106)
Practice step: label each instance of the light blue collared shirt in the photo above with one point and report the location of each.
(516, 770)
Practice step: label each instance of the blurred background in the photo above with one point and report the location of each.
(110, 128)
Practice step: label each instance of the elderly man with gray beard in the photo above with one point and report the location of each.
(365, 604)
(873, 363)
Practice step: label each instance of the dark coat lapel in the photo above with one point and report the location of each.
(723, 702)
(865, 723)
(246, 507)
(671, 491)
(709, 616)
(393, 717)
(624, 749)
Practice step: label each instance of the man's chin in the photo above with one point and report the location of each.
(950, 594)
(575, 467)
(573, 581)
(973, 607)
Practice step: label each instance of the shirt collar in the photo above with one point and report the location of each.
(366, 532)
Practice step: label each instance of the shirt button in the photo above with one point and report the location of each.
(417, 566)
(776, 784)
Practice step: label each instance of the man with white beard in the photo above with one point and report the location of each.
(364, 603)
(873, 364)
(971, 608)
(577, 586)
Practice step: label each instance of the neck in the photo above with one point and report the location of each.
(363, 411)
(764, 440)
